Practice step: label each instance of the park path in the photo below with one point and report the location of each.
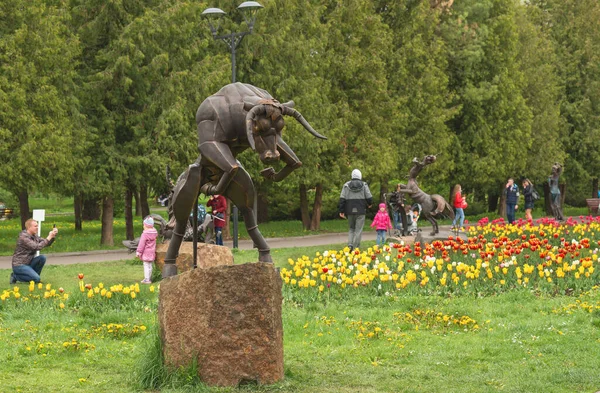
(70, 258)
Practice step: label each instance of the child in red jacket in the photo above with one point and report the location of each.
(459, 205)
(218, 203)
(381, 223)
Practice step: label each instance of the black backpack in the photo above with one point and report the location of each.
(535, 195)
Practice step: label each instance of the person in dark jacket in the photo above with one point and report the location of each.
(354, 201)
(529, 201)
(511, 191)
(25, 267)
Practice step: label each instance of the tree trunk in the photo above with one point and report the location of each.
(262, 207)
(595, 188)
(144, 200)
(502, 206)
(492, 201)
(383, 189)
(227, 231)
(91, 208)
(78, 207)
(138, 204)
(547, 200)
(315, 223)
(24, 207)
(129, 213)
(304, 207)
(108, 205)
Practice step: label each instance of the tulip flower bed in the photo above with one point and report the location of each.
(513, 308)
(547, 257)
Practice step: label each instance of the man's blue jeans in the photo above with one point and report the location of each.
(218, 236)
(510, 212)
(31, 272)
(397, 220)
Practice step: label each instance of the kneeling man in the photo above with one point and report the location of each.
(25, 267)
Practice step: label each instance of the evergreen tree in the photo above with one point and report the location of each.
(494, 121)
(39, 120)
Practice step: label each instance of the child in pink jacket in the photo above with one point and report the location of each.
(381, 223)
(146, 249)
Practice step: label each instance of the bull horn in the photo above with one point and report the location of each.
(250, 118)
(292, 112)
(289, 104)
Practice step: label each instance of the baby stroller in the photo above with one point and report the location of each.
(206, 227)
(412, 217)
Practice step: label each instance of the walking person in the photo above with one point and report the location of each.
(557, 170)
(381, 223)
(529, 200)
(146, 249)
(354, 201)
(25, 266)
(218, 203)
(511, 191)
(459, 204)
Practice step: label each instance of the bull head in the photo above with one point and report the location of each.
(264, 122)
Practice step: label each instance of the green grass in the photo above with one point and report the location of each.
(527, 342)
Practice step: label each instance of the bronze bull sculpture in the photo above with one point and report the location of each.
(236, 117)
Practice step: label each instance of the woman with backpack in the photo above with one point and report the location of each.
(530, 196)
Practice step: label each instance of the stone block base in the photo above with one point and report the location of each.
(208, 255)
(228, 318)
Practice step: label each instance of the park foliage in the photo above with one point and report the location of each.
(97, 98)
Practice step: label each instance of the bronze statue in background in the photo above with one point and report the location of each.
(555, 200)
(236, 117)
(431, 205)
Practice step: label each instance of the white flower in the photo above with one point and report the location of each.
(339, 263)
(330, 272)
(339, 280)
(325, 253)
(432, 269)
(484, 265)
(453, 263)
(381, 270)
(416, 267)
(387, 258)
(379, 287)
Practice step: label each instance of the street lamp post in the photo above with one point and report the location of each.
(233, 40)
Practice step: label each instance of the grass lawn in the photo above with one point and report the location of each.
(525, 341)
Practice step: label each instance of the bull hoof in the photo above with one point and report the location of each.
(265, 256)
(433, 233)
(169, 270)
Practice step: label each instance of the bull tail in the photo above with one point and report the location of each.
(442, 208)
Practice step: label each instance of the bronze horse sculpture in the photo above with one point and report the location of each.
(431, 205)
(235, 118)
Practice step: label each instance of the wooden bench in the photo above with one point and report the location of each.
(592, 205)
(5, 213)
